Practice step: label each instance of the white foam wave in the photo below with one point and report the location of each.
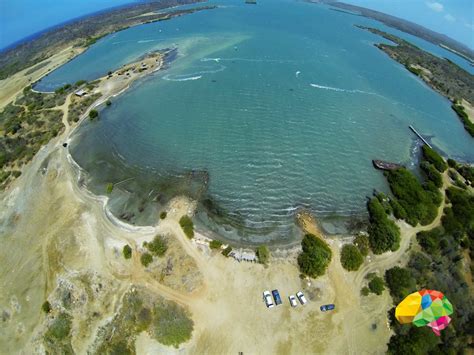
(297, 73)
(146, 40)
(355, 91)
(179, 78)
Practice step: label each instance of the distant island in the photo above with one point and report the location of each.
(408, 27)
(84, 32)
(440, 74)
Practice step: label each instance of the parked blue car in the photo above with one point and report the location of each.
(327, 307)
(276, 297)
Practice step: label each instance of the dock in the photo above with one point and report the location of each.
(385, 165)
(420, 136)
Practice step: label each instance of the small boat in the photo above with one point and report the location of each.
(385, 165)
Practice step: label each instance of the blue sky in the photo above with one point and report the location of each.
(21, 18)
(451, 17)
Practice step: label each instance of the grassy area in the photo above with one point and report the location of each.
(79, 105)
(57, 338)
(315, 257)
(142, 311)
(187, 225)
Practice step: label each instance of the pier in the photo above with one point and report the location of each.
(420, 136)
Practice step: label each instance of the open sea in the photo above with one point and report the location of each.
(268, 108)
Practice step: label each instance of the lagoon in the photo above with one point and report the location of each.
(268, 108)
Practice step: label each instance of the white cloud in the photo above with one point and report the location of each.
(449, 17)
(435, 6)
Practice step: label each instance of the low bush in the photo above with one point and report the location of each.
(163, 215)
(215, 244)
(46, 307)
(362, 243)
(127, 251)
(157, 246)
(263, 254)
(187, 225)
(227, 251)
(93, 114)
(429, 240)
(400, 282)
(146, 259)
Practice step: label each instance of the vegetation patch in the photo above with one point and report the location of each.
(227, 251)
(351, 258)
(468, 125)
(142, 311)
(384, 234)
(377, 285)
(187, 225)
(127, 251)
(163, 215)
(315, 257)
(146, 259)
(158, 246)
(431, 156)
(263, 254)
(420, 202)
(215, 244)
(362, 243)
(57, 338)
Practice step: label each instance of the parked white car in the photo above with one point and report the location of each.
(301, 297)
(267, 296)
(293, 302)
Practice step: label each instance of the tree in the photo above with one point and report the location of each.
(263, 254)
(400, 282)
(429, 240)
(93, 114)
(376, 285)
(365, 291)
(146, 259)
(315, 257)
(187, 225)
(46, 307)
(384, 234)
(157, 246)
(351, 258)
(163, 215)
(215, 244)
(362, 242)
(434, 158)
(127, 251)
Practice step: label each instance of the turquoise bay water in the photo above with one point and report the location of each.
(266, 109)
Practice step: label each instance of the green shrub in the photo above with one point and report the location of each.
(215, 244)
(459, 218)
(362, 243)
(109, 188)
(172, 325)
(263, 254)
(467, 172)
(108, 102)
(434, 158)
(127, 251)
(429, 240)
(376, 285)
(365, 291)
(384, 234)
(351, 258)
(163, 215)
(420, 203)
(315, 257)
(146, 259)
(157, 246)
(227, 251)
(397, 209)
(432, 173)
(187, 225)
(452, 163)
(60, 327)
(93, 114)
(46, 307)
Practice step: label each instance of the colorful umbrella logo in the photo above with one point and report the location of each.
(425, 308)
